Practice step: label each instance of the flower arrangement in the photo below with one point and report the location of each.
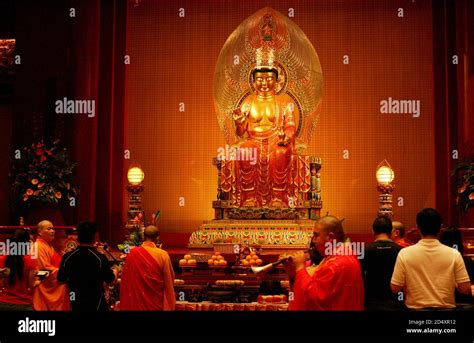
(464, 176)
(135, 237)
(43, 173)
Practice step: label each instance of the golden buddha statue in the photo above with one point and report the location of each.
(267, 90)
(266, 123)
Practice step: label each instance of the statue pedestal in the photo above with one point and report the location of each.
(308, 209)
(284, 234)
(286, 227)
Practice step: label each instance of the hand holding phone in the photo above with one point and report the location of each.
(42, 274)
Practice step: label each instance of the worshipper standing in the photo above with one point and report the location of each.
(398, 234)
(412, 236)
(85, 270)
(17, 276)
(49, 295)
(377, 267)
(430, 271)
(147, 277)
(452, 237)
(336, 283)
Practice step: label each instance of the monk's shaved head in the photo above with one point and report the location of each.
(332, 225)
(399, 226)
(44, 224)
(151, 233)
(46, 230)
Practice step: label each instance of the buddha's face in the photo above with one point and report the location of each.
(264, 83)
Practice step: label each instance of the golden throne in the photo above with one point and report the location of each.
(304, 194)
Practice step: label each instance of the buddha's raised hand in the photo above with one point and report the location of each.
(239, 115)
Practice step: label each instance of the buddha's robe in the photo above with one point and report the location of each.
(265, 179)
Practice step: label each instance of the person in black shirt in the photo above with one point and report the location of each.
(85, 270)
(377, 268)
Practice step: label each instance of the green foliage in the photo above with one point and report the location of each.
(132, 241)
(464, 178)
(134, 238)
(43, 173)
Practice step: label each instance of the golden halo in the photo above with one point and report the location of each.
(300, 73)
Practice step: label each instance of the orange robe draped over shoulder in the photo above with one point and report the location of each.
(401, 242)
(336, 285)
(49, 295)
(147, 280)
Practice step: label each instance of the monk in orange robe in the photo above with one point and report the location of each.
(148, 277)
(49, 295)
(398, 234)
(336, 283)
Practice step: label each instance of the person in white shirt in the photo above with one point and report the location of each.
(429, 272)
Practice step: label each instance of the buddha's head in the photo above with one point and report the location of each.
(264, 81)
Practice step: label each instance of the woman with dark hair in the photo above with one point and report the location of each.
(452, 237)
(17, 275)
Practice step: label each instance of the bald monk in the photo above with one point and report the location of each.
(148, 277)
(398, 234)
(335, 284)
(49, 295)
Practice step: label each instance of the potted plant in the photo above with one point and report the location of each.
(464, 178)
(42, 177)
(135, 237)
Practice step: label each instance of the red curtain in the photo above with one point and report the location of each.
(454, 126)
(97, 144)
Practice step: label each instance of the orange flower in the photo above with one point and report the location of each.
(29, 191)
(471, 196)
(41, 185)
(25, 197)
(34, 181)
(462, 188)
(58, 195)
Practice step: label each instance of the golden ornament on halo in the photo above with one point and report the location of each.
(265, 57)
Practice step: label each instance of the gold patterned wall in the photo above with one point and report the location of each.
(390, 57)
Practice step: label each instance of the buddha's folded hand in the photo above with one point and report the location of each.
(284, 141)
